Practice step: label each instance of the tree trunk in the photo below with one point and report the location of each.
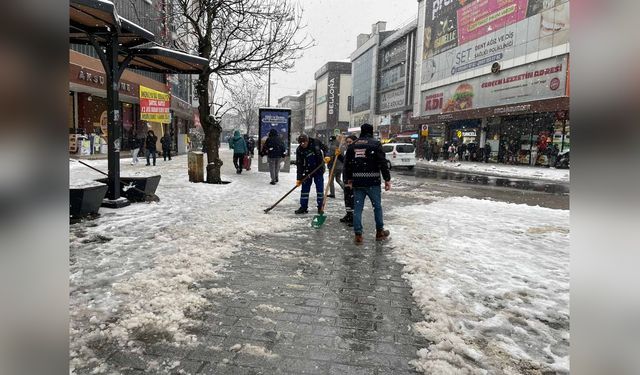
(211, 129)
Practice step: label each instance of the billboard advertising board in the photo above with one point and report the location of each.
(280, 120)
(487, 31)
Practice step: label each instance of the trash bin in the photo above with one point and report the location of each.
(196, 166)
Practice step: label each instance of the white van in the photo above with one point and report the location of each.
(400, 155)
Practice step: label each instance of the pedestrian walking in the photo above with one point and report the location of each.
(239, 147)
(553, 152)
(435, 151)
(427, 150)
(135, 149)
(451, 151)
(337, 173)
(487, 152)
(462, 149)
(364, 162)
(348, 190)
(251, 145)
(166, 146)
(309, 155)
(150, 144)
(274, 149)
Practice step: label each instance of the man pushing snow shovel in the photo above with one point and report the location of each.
(363, 163)
(309, 156)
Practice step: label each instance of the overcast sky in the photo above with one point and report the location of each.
(335, 25)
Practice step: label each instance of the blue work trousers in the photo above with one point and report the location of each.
(318, 179)
(375, 195)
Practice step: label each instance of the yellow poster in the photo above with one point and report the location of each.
(154, 105)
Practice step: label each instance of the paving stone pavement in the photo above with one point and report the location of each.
(305, 301)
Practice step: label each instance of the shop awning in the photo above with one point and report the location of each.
(163, 60)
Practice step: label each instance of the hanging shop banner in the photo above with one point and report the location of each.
(540, 80)
(154, 105)
(491, 31)
(280, 120)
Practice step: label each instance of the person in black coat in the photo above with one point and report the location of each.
(150, 144)
(166, 146)
(309, 155)
(364, 162)
(273, 148)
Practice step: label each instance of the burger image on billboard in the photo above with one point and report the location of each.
(462, 99)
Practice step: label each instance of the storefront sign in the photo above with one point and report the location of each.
(154, 105)
(539, 80)
(392, 99)
(394, 54)
(333, 98)
(392, 77)
(89, 77)
(468, 133)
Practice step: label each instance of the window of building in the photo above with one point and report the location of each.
(362, 69)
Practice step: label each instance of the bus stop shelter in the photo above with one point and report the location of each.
(122, 44)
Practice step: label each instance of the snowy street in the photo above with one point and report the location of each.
(474, 280)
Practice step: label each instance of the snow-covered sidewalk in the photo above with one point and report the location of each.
(492, 279)
(134, 271)
(500, 170)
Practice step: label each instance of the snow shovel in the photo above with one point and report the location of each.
(319, 219)
(292, 189)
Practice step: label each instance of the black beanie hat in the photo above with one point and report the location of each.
(366, 129)
(273, 132)
(303, 137)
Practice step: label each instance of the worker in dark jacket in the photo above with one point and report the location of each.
(309, 155)
(364, 162)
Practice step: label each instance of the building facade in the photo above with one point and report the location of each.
(297, 105)
(364, 61)
(394, 82)
(494, 73)
(87, 91)
(333, 91)
(309, 110)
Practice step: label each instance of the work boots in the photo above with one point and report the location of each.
(348, 218)
(358, 239)
(301, 210)
(382, 234)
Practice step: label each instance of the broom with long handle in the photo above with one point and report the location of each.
(292, 189)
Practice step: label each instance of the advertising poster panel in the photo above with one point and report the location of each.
(540, 80)
(280, 120)
(154, 106)
(490, 31)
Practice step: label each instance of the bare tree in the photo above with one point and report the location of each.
(236, 36)
(246, 98)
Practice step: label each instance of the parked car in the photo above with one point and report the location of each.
(294, 147)
(400, 155)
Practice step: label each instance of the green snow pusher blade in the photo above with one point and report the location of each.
(318, 220)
